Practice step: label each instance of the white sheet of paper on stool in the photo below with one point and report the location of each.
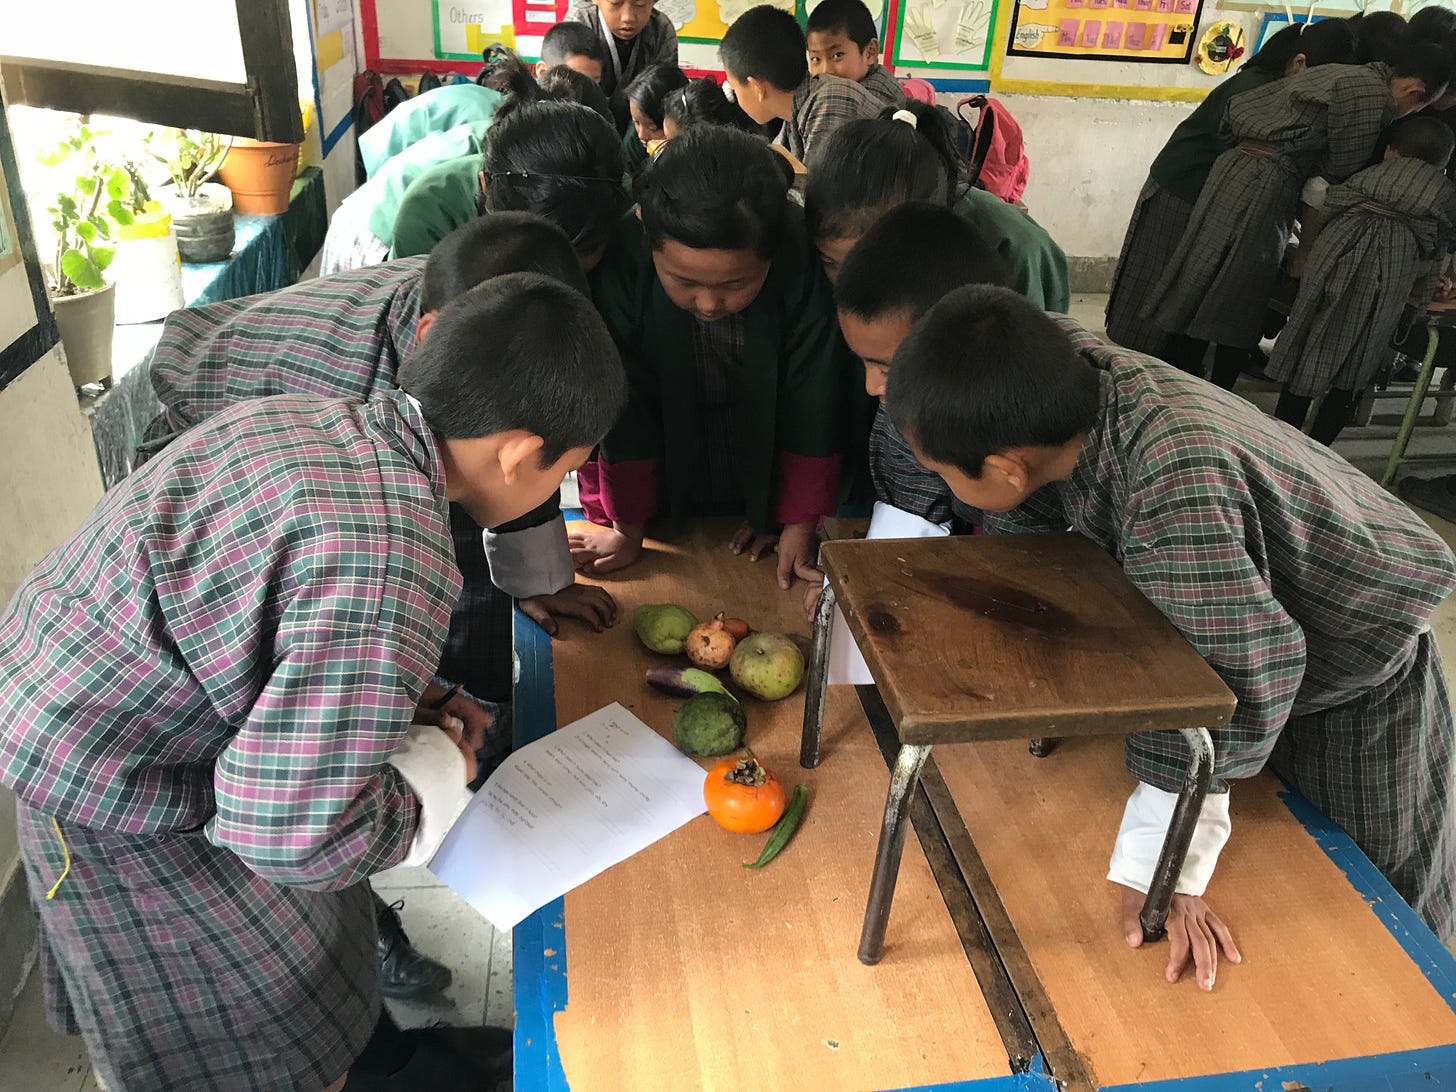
(846, 665)
(562, 809)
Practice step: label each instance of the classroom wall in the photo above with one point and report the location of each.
(49, 480)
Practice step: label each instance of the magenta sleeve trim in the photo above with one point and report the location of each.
(808, 488)
(619, 492)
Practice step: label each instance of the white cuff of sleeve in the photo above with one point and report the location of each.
(535, 561)
(1314, 192)
(1145, 825)
(434, 768)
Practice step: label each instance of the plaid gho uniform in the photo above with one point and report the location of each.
(898, 477)
(821, 105)
(1304, 585)
(201, 688)
(1325, 121)
(342, 336)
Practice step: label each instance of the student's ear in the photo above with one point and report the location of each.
(423, 324)
(872, 51)
(757, 88)
(1298, 63)
(1008, 470)
(541, 67)
(519, 453)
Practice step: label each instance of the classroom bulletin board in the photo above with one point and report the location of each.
(1149, 31)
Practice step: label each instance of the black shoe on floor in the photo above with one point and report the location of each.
(404, 973)
(447, 1059)
(1436, 495)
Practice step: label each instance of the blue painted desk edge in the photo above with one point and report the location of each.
(540, 979)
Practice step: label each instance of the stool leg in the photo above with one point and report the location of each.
(1180, 833)
(1042, 747)
(818, 683)
(903, 780)
(1412, 408)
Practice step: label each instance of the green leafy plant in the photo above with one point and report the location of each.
(191, 157)
(84, 212)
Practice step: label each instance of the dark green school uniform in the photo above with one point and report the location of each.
(1038, 266)
(790, 378)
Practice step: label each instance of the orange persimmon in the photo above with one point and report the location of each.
(742, 796)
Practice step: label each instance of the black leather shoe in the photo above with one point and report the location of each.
(404, 974)
(444, 1060)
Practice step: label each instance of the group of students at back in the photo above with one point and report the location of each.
(1336, 133)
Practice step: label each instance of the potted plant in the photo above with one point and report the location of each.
(82, 217)
(260, 173)
(202, 211)
(147, 268)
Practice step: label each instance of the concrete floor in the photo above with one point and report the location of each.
(32, 1057)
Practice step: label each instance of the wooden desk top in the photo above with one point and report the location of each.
(985, 637)
(686, 971)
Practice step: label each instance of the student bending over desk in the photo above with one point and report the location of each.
(726, 328)
(1306, 587)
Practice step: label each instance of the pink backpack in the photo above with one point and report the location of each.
(999, 156)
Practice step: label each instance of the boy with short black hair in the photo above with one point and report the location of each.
(843, 41)
(1386, 231)
(1303, 584)
(634, 36)
(726, 328)
(207, 695)
(763, 53)
(877, 312)
(576, 46)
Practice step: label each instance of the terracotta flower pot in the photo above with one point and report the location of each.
(260, 175)
(86, 321)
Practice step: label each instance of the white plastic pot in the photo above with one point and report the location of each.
(86, 321)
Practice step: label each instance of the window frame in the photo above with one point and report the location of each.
(264, 108)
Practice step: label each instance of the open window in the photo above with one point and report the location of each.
(222, 66)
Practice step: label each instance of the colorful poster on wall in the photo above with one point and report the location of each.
(945, 34)
(1151, 31)
(463, 28)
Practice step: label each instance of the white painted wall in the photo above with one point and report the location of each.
(1089, 159)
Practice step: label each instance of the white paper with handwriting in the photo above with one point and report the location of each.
(564, 808)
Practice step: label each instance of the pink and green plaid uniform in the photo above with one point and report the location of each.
(202, 686)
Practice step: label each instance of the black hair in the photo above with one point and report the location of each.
(1432, 23)
(715, 188)
(867, 166)
(562, 161)
(766, 43)
(1423, 137)
(572, 39)
(517, 81)
(702, 102)
(1330, 41)
(490, 246)
(520, 351)
(1379, 36)
(650, 89)
(985, 371)
(849, 17)
(910, 259)
(1424, 61)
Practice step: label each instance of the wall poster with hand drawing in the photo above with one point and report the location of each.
(944, 34)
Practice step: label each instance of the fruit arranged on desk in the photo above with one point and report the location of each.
(663, 627)
(767, 665)
(743, 796)
(709, 725)
(710, 645)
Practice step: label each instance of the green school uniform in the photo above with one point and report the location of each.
(1182, 167)
(433, 112)
(794, 378)
(388, 188)
(1038, 266)
(436, 203)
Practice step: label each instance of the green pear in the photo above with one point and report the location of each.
(663, 627)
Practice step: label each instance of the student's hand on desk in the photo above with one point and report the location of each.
(797, 546)
(598, 552)
(811, 598)
(592, 605)
(474, 719)
(1195, 934)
